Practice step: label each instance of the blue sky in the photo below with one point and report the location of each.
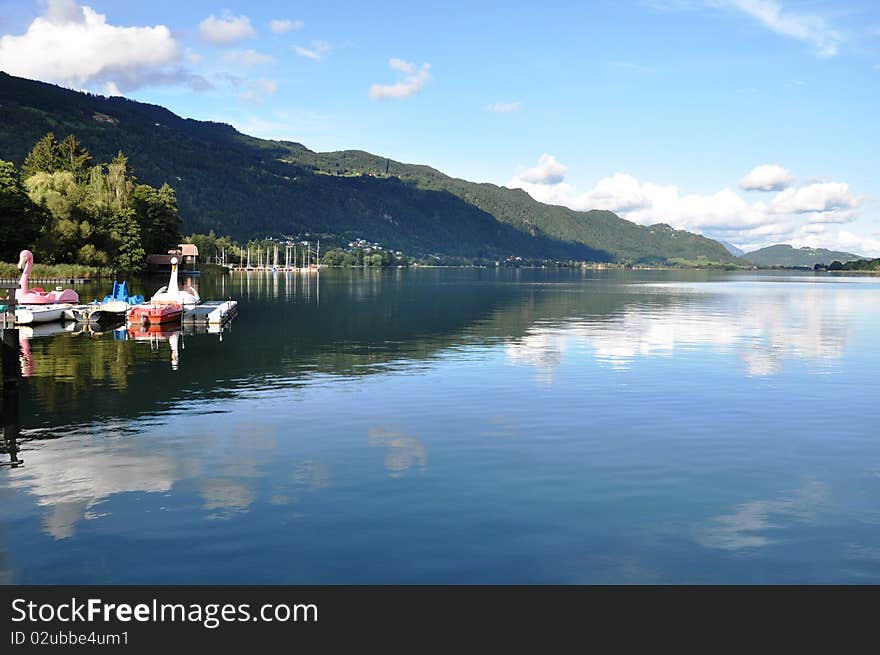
(755, 121)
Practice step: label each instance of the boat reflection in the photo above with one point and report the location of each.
(172, 334)
(28, 332)
(155, 334)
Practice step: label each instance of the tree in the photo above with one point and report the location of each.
(334, 257)
(20, 219)
(73, 157)
(61, 199)
(120, 182)
(158, 217)
(44, 156)
(126, 234)
(82, 213)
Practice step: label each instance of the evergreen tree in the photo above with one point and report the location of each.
(73, 157)
(126, 234)
(44, 156)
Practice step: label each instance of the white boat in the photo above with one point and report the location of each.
(98, 311)
(173, 293)
(27, 314)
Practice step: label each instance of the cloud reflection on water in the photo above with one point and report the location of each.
(402, 453)
(70, 483)
(752, 524)
(762, 326)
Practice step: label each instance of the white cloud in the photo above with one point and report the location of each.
(793, 214)
(548, 171)
(402, 66)
(826, 202)
(415, 78)
(74, 45)
(503, 107)
(247, 58)
(226, 29)
(283, 25)
(859, 244)
(258, 90)
(798, 25)
(316, 50)
(766, 177)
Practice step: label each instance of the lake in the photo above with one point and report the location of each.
(460, 426)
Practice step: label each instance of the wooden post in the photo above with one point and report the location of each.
(11, 374)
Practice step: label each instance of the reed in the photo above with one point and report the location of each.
(56, 271)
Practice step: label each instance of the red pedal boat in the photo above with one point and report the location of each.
(151, 313)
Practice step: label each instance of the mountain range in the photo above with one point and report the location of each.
(786, 255)
(251, 188)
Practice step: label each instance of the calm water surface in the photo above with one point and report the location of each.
(460, 426)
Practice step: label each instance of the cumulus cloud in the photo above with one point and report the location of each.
(246, 58)
(503, 107)
(844, 240)
(283, 25)
(316, 50)
(226, 29)
(825, 202)
(766, 177)
(794, 24)
(414, 79)
(549, 171)
(796, 215)
(72, 44)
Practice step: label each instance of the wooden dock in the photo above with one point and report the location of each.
(49, 280)
(210, 312)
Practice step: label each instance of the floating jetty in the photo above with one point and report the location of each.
(210, 312)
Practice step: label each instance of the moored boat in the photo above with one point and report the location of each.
(154, 313)
(28, 314)
(173, 293)
(97, 312)
(37, 296)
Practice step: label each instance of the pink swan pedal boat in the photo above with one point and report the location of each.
(37, 296)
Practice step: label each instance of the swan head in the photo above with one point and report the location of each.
(173, 262)
(24, 257)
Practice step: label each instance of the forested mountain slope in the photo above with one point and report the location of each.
(246, 187)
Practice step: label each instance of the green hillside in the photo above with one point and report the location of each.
(785, 255)
(246, 187)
